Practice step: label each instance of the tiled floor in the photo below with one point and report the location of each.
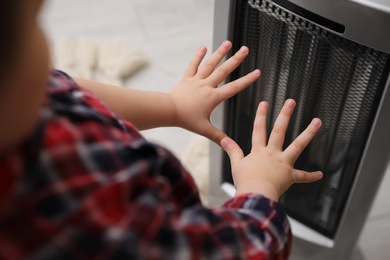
(170, 34)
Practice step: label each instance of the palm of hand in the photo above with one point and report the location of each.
(268, 169)
(197, 94)
(262, 168)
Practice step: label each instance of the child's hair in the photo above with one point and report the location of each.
(10, 33)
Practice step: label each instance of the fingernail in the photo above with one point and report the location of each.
(263, 104)
(319, 175)
(202, 49)
(316, 122)
(225, 143)
(226, 44)
(290, 103)
(256, 72)
(243, 50)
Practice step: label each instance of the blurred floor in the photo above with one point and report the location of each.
(168, 33)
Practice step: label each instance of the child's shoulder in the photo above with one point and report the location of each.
(66, 99)
(59, 81)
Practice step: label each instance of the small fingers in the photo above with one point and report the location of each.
(259, 135)
(306, 177)
(237, 86)
(294, 150)
(232, 149)
(220, 74)
(278, 133)
(214, 60)
(192, 68)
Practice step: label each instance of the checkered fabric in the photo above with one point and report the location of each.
(86, 185)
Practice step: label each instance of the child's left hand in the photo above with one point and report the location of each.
(196, 95)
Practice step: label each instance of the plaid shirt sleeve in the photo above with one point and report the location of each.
(86, 185)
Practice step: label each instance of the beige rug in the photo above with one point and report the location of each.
(111, 62)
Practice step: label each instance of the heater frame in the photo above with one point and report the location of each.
(309, 244)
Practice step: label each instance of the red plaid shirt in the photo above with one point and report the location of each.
(85, 184)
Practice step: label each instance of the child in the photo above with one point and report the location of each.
(77, 180)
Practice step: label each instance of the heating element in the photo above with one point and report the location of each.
(330, 77)
(308, 57)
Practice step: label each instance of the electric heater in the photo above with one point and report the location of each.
(332, 57)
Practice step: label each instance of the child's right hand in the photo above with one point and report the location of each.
(197, 94)
(268, 170)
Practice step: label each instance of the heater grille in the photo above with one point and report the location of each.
(330, 77)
